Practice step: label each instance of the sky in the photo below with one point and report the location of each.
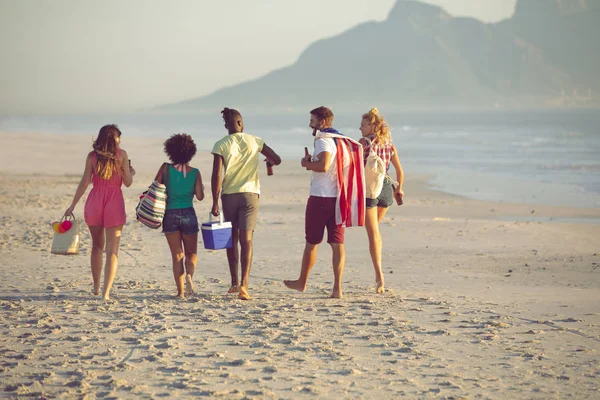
(89, 56)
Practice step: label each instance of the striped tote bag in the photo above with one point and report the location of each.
(153, 202)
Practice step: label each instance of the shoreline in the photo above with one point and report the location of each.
(151, 148)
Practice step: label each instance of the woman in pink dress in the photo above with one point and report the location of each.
(107, 167)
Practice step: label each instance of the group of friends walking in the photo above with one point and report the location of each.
(337, 197)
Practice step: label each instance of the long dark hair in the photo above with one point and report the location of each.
(106, 148)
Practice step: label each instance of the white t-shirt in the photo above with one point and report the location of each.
(324, 184)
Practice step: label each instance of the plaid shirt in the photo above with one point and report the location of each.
(384, 151)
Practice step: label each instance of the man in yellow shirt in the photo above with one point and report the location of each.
(237, 154)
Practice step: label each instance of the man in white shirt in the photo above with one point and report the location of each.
(320, 209)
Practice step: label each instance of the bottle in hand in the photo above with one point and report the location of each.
(398, 197)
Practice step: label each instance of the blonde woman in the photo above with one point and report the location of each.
(107, 167)
(374, 128)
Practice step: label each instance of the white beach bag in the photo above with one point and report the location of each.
(67, 243)
(374, 173)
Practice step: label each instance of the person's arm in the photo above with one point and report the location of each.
(272, 157)
(321, 165)
(86, 178)
(399, 171)
(127, 172)
(322, 162)
(160, 178)
(199, 187)
(363, 142)
(215, 182)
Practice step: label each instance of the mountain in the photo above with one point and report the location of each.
(423, 58)
(564, 33)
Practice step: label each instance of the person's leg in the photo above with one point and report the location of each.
(247, 217)
(338, 261)
(335, 238)
(97, 233)
(230, 213)
(189, 236)
(174, 240)
(381, 213)
(246, 261)
(113, 238)
(314, 228)
(308, 261)
(372, 226)
(190, 246)
(93, 212)
(232, 259)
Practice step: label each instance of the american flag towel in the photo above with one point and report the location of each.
(350, 202)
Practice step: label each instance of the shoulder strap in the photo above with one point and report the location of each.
(370, 145)
(165, 174)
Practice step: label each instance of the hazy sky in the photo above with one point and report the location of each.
(71, 56)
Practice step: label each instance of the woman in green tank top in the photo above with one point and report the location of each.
(180, 224)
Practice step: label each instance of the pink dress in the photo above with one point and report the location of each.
(105, 205)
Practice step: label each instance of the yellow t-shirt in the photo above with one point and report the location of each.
(240, 159)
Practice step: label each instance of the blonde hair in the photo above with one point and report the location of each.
(106, 148)
(380, 128)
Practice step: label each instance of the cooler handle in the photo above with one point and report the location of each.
(210, 218)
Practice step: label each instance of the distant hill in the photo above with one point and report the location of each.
(423, 58)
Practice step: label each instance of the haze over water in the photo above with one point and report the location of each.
(540, 157)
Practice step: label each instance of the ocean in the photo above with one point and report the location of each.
(542, 157)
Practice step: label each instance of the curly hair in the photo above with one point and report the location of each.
(106, 148)
(380, 128)
(180, 148)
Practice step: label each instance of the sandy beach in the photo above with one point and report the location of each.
(484, 300)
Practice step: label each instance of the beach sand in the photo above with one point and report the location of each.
(484, 300)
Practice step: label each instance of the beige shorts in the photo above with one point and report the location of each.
(241, 209)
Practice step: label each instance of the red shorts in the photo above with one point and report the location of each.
(320, 213)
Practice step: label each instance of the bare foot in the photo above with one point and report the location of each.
(380, 287)
(180, 296)
(243, 294)
(189, 286)
(96, 292)
(233, 289)
(296, 285)
(108, 300)
(336, 294)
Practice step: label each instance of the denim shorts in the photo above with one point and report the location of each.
(385, 198)
(182, 220)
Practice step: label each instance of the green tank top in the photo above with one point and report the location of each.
(180, 190)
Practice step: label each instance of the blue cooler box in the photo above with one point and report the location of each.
(216, 235)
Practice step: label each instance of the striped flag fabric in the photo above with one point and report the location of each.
(350, 204)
